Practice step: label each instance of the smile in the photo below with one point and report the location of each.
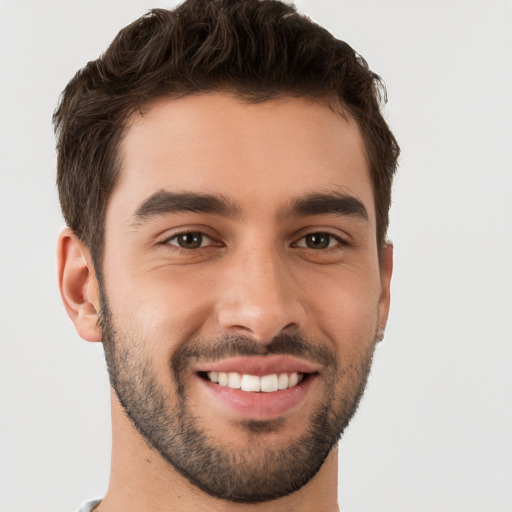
(254, 383)
(257, 387)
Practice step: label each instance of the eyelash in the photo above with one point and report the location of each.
(203, 236)
(168, 241)
(339, 241)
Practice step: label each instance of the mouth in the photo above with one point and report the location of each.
(257, 387)
(269, 383)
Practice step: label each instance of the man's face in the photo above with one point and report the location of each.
(242, 289)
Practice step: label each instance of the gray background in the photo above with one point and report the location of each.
(434, 432)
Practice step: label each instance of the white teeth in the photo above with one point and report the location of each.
(282, 382)
(253, 383)
(223, 378)
(250, 383)
(234, 380)
(294, 379)
(269, 383)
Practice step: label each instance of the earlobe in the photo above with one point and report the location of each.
(78, 285)
(386, 270)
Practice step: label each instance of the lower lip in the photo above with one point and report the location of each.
(261, 405)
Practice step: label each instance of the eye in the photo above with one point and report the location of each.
(319, 241)
(190, 240)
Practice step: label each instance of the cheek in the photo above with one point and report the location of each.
(346, 309)
(162, 307)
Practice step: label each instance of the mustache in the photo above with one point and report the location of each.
(294, 344)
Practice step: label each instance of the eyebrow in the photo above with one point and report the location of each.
(324, 204)
(164, 203)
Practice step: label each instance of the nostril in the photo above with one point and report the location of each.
(261, 318)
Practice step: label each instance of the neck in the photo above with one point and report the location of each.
(141, 480)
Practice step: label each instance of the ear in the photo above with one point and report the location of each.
(386, 270)
(78, 285)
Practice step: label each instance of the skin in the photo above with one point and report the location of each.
(253, 276)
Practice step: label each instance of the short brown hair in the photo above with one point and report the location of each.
(257, 49)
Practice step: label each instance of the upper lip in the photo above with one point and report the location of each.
(260, 365)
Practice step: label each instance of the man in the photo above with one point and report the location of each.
(225, 173)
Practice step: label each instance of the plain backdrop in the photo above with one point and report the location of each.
(434, 431)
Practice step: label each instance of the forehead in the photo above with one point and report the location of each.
(258, 155)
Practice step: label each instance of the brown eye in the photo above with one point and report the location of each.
(192, 240)
(319, 241)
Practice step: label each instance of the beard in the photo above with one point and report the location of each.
(255, 472)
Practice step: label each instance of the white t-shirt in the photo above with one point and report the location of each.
(88, 506)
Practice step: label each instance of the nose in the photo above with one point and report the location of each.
(259, 297)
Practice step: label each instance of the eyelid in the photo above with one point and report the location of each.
(167, 232)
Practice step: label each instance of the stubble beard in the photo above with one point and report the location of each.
(254, 473)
